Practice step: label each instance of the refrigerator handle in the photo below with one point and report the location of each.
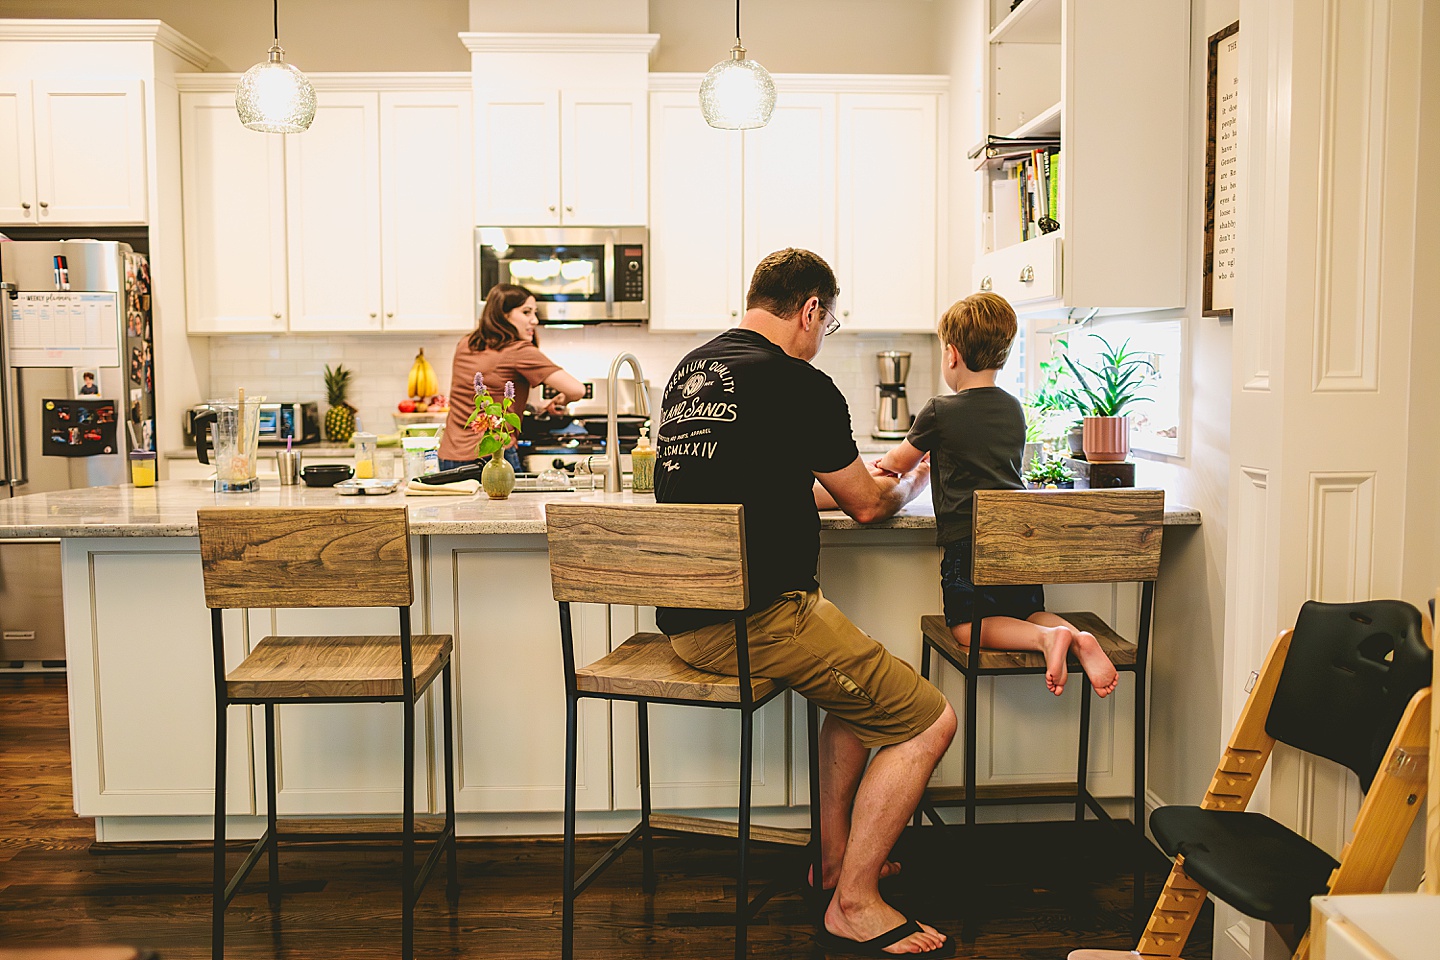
(11, 454)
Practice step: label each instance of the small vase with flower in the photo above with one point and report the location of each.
(497, 425)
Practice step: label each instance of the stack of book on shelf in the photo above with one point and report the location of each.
(1025, 201)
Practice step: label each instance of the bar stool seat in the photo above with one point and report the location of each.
(1122, 652)
(304, 668)
(647, 666)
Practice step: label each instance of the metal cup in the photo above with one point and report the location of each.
(287, 463)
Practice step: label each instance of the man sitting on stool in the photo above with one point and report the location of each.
(747, 419)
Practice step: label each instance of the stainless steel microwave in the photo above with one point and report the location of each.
(578, 274)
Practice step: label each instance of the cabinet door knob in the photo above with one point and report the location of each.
(569, 209)
(44, 205)
(373, 314)
(277, 316)
(1027, 274)
(390, 315)
(844, 313)
(552, 208)
(24, 205)
(986, 283)
(734, 313)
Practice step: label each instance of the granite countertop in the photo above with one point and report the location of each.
(168, 510)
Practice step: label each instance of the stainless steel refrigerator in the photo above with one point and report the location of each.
(77, 393)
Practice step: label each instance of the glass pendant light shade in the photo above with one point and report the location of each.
(274, 97)
(737, 94)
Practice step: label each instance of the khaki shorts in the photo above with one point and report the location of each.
(805, 640)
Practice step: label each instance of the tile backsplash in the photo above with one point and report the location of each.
(292, 367)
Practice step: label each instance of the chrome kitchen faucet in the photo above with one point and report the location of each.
(642, 407)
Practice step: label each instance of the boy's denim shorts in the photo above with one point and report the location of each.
(1003, 600)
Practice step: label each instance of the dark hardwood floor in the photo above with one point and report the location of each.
(1031, 892)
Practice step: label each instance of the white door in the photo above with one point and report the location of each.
(332, 178)
(602, 157)
(889, 226)
(233, 191)
(17, 153)
(90, 150)
(696, 277)
(425, 210)
(517, 159)
(790, 180)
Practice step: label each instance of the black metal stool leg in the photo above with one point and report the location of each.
(742, 889)
(217, 921)
(817, 846)
(407, 856)
(452, 880)
(1082, 766)
(972, 709)
(273, 847)
(647, 853)
(919, 819)
(1138, 809)
(567, 909)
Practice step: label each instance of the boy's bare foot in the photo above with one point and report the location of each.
(1055, 641)
(860, 922)
(888, 869)
(1097, 666)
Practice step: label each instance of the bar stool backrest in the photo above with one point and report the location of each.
(1350, 673)
(1067, 536)
(662, 555)
(305, 557)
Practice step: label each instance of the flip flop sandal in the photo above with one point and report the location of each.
(875, 947)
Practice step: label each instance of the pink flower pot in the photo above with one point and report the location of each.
(1107, 439)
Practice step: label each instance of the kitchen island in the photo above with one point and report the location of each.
(141, 682)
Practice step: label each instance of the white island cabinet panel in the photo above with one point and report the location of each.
(333, 185)
(142, 682)
(695, 751)
(345, 758)
(493, 595)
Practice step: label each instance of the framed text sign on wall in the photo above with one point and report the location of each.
(1222, 170)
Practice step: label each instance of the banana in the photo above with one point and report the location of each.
(422, 381)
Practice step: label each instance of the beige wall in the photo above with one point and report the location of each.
(316, 34)
(559, 16)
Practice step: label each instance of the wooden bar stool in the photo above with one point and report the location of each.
(1064, 536)
(673, 555)
(307, 557)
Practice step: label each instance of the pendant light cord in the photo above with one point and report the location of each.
(277, 19)
(737, 18)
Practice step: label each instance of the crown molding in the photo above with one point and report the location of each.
(560, 42)
(383, 82)
(822, 82)
(155, 31)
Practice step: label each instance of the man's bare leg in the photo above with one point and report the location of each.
(884, 801)
(842, 764)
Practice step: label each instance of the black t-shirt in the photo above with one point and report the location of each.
(744, 422)
(976, 440)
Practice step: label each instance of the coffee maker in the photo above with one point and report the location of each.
(892, 409)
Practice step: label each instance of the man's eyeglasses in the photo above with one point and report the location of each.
(834, 322)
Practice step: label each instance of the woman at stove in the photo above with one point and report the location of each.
(501, 348)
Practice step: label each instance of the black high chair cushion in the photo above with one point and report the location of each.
(1351, 671)
(1259, 867)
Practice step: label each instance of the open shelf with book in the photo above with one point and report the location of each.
(1083, 185)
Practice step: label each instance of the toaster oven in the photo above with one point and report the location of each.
(295, 421)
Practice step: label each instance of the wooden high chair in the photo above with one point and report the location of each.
(257, 558)
(671, 555)
(1351, 682)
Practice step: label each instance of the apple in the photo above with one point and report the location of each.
(407, 406)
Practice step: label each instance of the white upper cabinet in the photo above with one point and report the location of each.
(853, 175)
(332, 180)
(362, 223)
(1053, 68)
(696, 273)
(73, 151)
(234, 209)
(426, 178)
(890, 240)
(790, 168)
(548, 157)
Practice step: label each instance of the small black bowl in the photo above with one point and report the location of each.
(326, 474)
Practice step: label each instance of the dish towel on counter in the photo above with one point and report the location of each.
(462, 488)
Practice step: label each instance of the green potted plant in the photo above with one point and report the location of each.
(1049, 473)
(1103, 394)
(497, 425)
(1048, 414)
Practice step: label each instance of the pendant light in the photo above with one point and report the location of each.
(737, 94)
(274, 97)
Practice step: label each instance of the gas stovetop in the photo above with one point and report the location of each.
(577, 444)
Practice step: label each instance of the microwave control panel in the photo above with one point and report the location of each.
(630, 274)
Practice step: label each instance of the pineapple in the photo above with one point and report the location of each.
(340, 418)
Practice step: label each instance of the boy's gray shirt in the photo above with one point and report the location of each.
(976, 440)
